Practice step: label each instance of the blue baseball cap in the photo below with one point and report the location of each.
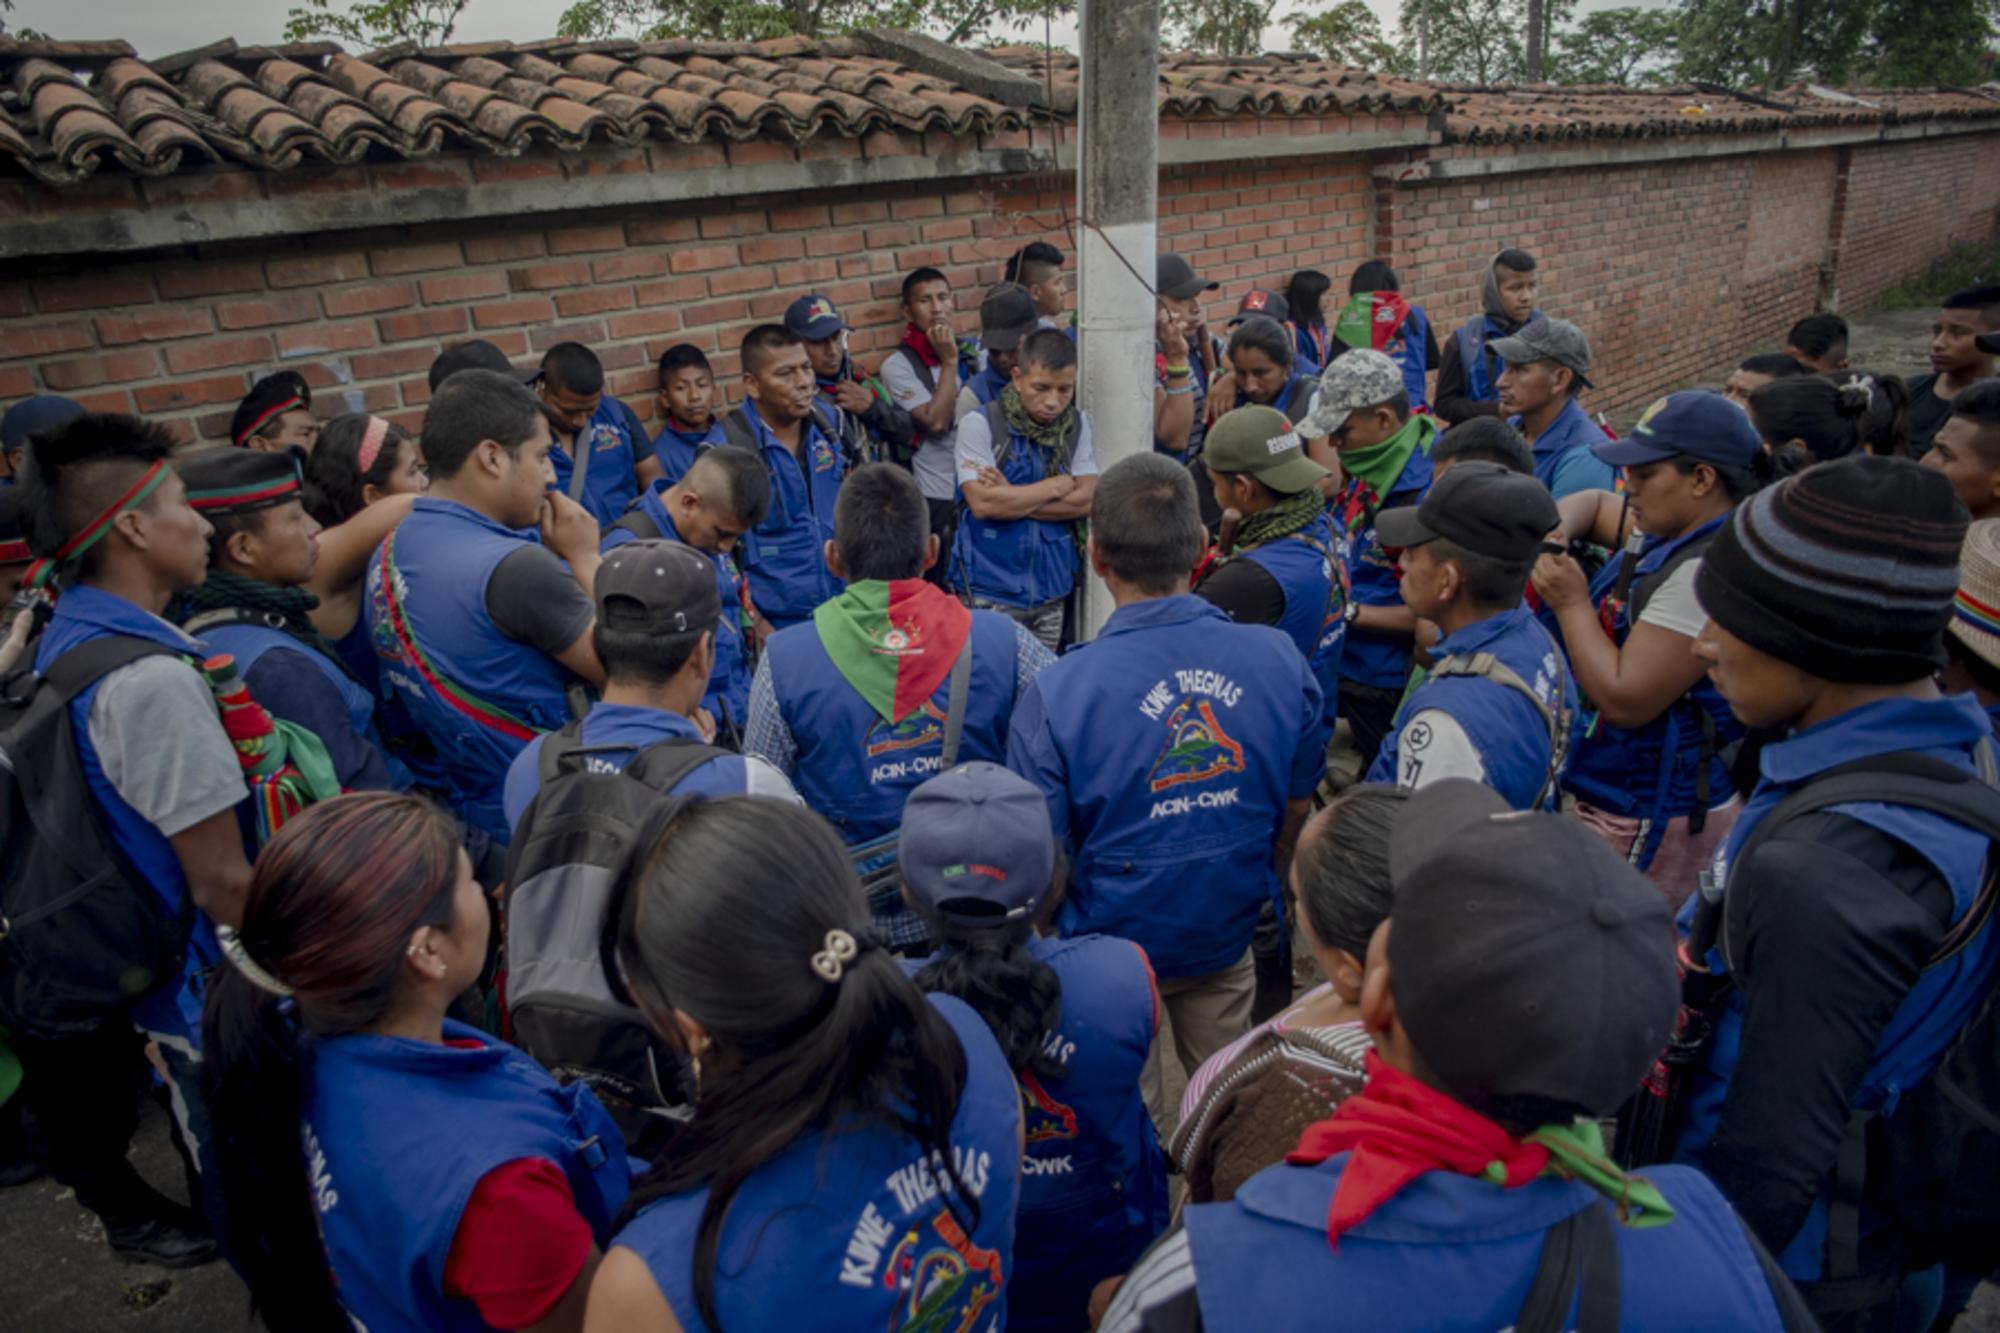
(1693, 423)
(36, 416)
(976, 847)
(814, 318)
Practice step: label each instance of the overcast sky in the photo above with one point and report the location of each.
(159, 27)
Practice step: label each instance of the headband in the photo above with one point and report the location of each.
(371, 444)
(42, 571)
(263, 418)
(251, 495)
(14, 552)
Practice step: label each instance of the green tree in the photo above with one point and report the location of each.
(1216, 27)
(1628, 45)
(1917, 42)
(1471, 41)
(1347, 34)
(1774, 42)
(955, 21)
(367, 23)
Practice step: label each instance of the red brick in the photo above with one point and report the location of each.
(527, 310)
(836, 243)
(610, 162)
(588, 332)
(397, 361)
(799, 218)
(634, 383)
(316, 270)
(292, 309)
(760, 152)
(87, 372)
(505, 247)
(321, 339)
(723, 225)
(669, 290)
(414, 259)
(890, 235)
(716, 312)
(16, 382)
(626, 267)
(513, 169)
(55, 296)
(630, 354)
(422, 324)
(740, 280)
(545, 277)
(769, 249)
(369, 299)
(661, 231)
(153, 325)
(105, 400)
(229, 185)
(444, 172)
(453, 287)
(209, 278)
(242, 350)
(868, 210)
(593, 301)
(584, 240)
(189, 393)
(417, 391)
(701, 258)
(888, 143)
(44, 339)
(704, 156)
(645, 323)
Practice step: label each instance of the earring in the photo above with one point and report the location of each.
(694, 1060)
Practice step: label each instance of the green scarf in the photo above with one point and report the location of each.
(893, 642)
(1577, 1151)
(226, 591)
(1053, 437)
(1292, 513)
(1378, 465)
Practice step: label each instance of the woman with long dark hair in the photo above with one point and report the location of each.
(1305, 296)
(854, 1156)
(381, 1166)
(360, 481)
(1811, 419)
(1075, 1018)
(1263, 368)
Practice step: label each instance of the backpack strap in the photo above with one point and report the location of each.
(1643, 589)
(1002, 433)
(663, 764)
(579, 468)
(1491, 668)
(223, 616)
(561, 753)
(636, 521)
(1580, 1248)
(737, 431)
(87, 663)
(954, 717)
(925, 375)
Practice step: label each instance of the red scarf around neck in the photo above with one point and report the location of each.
(1396, 1129)
(919, 342)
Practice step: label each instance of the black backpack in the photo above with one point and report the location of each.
(82, 934)
(564, 1009)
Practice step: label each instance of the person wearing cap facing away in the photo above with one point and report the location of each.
(854, 705)
(1499, 701)
(1006, 318)
(722, 497)
(275, 415)
(1363, 408)
(782, 556)
(1025, 473)
(1186, 357)
(38, 415)
(859, 414)
(479, 603)
(690, 407)
(1972, 648)
(1545, 367)
(657, 607)
(1828, 596)
(1967, 448)
(1516, 995)
(254, 605)
(1468, 382)
(1075, 1019)
(1177, 752)
(602, 453)
(1647, 767)
(1377, 315)
(1959, 359)
(1754, 372)
(923, 373)
(1818, 343)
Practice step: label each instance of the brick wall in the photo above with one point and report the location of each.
(1669, 265)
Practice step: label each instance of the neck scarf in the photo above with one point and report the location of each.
(1372, 319)
(226, 590)
(1054, 436)
(1378, 465)
(1397, 1129)
(893, 642)
(1292, 513)
(919, 342)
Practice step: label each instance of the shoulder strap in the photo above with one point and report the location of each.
(737, 431)
(559, 753)
(1492, 668)
(822, 413)
(579, 465)
(86, 664)
(640, 524)
(222, 616)
(1580, 1247)
(1002, 442)
(1643, 589)
(663, 764)
(925, 375)
(954, 717)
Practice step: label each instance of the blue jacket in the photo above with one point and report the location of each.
(307, 688)
(397, 1134)
(784, 556)
(1407, 351)
(987, 384)
(1944, 997)
(851, 1228)
(854, 768)
(1295, 399)
(1309, 347)
(676, 448)
(1370, 658)
(1020, 562)
(1563, 461)
(1510, 734)
(1312, 575)
(1452, 1252)
(729, 682)
(85, 613)
(1482, 380)
(1650, 772)
(479, 695)
(1167, 749)
(612, 441)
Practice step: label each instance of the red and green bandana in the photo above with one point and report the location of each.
(1372, 319)
(894, 642)
(42, 571)
(250, 495)
(485, 714)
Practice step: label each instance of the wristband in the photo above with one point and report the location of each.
(1175, 393)
(1183, 369)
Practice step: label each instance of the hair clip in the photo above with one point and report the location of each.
(239, 958)
(832, 961)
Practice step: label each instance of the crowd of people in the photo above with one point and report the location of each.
(562, 876)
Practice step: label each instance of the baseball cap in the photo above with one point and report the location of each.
(1175, 277)
(976, 848)
(269, 398)
(814, 318)
(1485, 508)
(1693, 423)
(1261, 441)
(477, 354)
(1547, 339)
(1527, 958)
(1268, 304)
(657, 586)
(1006, 316)
(1975, 610)
(1361, 378)
(39, 415)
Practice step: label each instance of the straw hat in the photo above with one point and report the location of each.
(1975, 611)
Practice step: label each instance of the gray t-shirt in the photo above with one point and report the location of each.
(159, 738)
(534, 599)
(936, 459)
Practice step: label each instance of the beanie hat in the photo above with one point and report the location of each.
(1845, 571)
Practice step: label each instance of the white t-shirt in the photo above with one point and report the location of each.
(933, 461)
(975, 448)
(1432, 747)
(1673, 605)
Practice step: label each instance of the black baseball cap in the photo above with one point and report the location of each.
(1526, 958)
(1693, 423)
(657, 586)
(977, 848)
(1485, 508)
(1175, 277)
(1006, 316)
(477, 354)
(1269, 304)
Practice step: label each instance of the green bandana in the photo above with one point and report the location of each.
(1577, 1151)
(1292, 513)
(1378, 465)
(1053, 437)
(893, 642)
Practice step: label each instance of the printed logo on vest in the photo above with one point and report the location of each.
(1045, 1118)
(921, 729)
(604, 439)
(823, 459)
(1197, 749)
(942, 1288)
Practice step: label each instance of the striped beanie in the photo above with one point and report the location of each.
(1845, 571)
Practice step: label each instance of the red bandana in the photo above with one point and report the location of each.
(1397, 1129)
(919, 342)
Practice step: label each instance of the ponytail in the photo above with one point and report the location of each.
(1885, 427)
(1018, 996)
(1826, 417)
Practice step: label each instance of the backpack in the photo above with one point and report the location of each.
(1489, 667)
(82, 934)
(561, 873)
(737, 430)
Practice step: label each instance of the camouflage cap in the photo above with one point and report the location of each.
(1357, 379)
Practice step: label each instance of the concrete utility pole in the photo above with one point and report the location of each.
(1117, 191)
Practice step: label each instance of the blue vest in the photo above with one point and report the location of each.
(1944, 997)
(854, 768)
(1020, 562)
(445, 555)
(1482, 379)
(1308, 568)
(610, 444)
(1563, 461)
(1407, 351)
(676, 448)
(247, 643)
(988, 383)
(1309, 356)
(1369, 658)
(85, 613)
(1649, 772)
(851, 1229)
(1452, 1252)
(1511, 735)
(1295, 398)
(1176, 732)
(784, 556)
(396, 1135)
(729, 681)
